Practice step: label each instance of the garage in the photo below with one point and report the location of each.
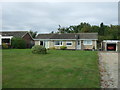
(110, 45)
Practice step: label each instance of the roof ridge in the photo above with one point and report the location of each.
(14, 31)
(65, 33)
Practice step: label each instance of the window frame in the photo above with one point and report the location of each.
(69, 42)
(59, 43)
(85, 42)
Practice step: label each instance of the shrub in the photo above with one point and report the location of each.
(52, 48)
(63, 47)
(93, 48)
(4, 46)
(37, 49)
(18, 43)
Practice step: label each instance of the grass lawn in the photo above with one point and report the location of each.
(57, 69)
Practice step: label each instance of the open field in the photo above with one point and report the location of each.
(57, 69)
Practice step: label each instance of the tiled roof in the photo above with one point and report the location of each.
(13, 33)
(68, 36)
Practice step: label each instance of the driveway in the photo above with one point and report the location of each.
(108, 63)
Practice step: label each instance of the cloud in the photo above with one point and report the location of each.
(45, 17)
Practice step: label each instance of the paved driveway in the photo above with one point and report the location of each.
(108, 69)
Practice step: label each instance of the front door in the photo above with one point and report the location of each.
(41, 43)
(46, 44)
(78, 44)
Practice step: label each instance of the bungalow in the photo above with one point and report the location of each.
(6, 36)
(78, 41)
(110, 45)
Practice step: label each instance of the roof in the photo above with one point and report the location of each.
(68, 36)
(111, 41)
(13, 33)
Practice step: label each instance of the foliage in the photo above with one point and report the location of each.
(37, 49)
(52, 48)
(4, 46)
(18, 43)
(93, 47)
(63, 47)
(110, 32)
(52, 32)
(33, 34)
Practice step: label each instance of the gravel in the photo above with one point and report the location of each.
(108, 64)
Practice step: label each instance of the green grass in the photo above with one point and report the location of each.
(57, 69)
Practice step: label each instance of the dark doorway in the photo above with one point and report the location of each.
(41, 43)
(111, 47)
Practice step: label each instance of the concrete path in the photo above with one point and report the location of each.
(108, 63)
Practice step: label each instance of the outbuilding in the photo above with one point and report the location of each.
(6, 36)
(110, 45)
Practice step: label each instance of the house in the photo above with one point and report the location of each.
(110, 45)
(79, 41)
(6, 36)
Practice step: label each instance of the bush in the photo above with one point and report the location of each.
(4, 46)
(37, 49)
(63, 47)
(93, 48)
(52, 48)
(18, 43)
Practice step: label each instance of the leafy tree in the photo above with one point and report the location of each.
(52, 32)
(105, 32)
(18, 43)
(85, 29)
(101, 29)
(33, 34)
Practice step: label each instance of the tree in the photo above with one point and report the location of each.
(101, 29)
(52, 32)
(94, 28)
(18, 43)
(85, 29)
(105, 32)
(33, 34)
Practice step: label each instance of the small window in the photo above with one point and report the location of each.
(68, 43)
(87, 42)
(58, 43)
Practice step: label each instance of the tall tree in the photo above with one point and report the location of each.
(33, 34)
(101, 29)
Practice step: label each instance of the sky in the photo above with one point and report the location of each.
(45, 17)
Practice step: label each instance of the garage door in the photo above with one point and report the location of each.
(111, 47)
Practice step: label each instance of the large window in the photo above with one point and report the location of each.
(69, 43)
(58, 43)
(5, 40)
(87, 42)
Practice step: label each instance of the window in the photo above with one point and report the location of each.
(69, 43)
(87, 42)
(58, 43)
(5, 40)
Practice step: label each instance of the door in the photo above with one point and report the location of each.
(41, 43)
(78, 44)
(46, 44)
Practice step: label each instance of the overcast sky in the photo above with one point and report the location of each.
(45, 17)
